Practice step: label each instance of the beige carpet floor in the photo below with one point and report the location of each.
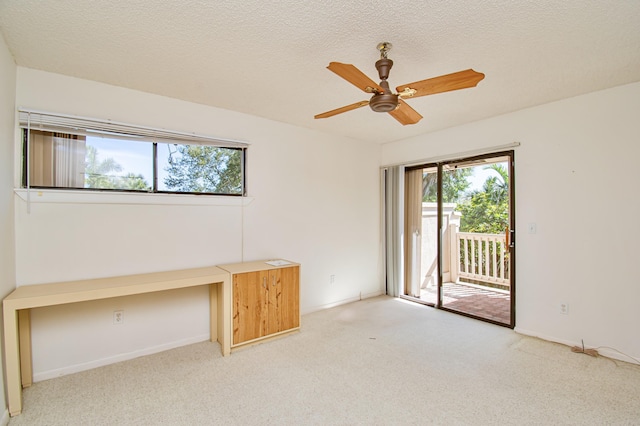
(380, 361)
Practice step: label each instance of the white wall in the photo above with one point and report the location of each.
(7, 120)
(576, 177)
(315, 200)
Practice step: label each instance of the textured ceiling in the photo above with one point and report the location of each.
(268, 58)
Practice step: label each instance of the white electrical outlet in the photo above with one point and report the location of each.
(564, 308)
(332, 279)
(118, 317)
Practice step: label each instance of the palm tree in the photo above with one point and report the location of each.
(497, 187)
(102, 174)
(99, 173)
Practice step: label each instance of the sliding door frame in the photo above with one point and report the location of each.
(510, 154)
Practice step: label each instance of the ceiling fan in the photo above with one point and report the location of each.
(384, 100)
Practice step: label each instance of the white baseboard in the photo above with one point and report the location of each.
(4, 421)
(606, 352)
(345, 301)
(50, 374)
(373, 294)
(543, 336)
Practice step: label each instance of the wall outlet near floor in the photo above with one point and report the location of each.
(564, 308)
(332, 279)
(118, 317)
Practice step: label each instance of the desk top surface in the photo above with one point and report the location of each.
(31, 296)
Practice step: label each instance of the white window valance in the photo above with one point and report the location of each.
(60, 123)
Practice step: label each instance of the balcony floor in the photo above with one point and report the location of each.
(480, 301)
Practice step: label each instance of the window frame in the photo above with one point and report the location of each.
(57, 123)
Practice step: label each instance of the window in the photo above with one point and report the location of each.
(78, 153)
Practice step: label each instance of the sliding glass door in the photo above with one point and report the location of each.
(458, 236)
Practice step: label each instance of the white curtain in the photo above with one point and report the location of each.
(70, 152)
(413, 231)
(40, 159)
(393, 224)
(56, 160)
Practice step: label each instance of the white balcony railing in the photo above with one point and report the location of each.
(481, 257)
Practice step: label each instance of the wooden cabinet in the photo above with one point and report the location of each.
(265, 298)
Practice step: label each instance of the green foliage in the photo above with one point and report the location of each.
(196, 168)
(481, 214)
(454, 185)
(487, 211)
(99, 174)
(497, 186)
(133, 182)
(483, 211)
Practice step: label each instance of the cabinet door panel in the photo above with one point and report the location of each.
(284, 299)
(249, 306)
(290, 316)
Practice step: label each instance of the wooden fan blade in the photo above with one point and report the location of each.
(342, 109)
(405, 114)
(444, 83)
(354, 76)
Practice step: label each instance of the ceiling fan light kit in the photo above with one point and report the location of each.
(384, 100)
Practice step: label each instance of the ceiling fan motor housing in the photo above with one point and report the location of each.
(383, 102)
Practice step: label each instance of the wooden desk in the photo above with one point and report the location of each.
(17, 305)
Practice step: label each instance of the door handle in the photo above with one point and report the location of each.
(509, 237)
(507, 241)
